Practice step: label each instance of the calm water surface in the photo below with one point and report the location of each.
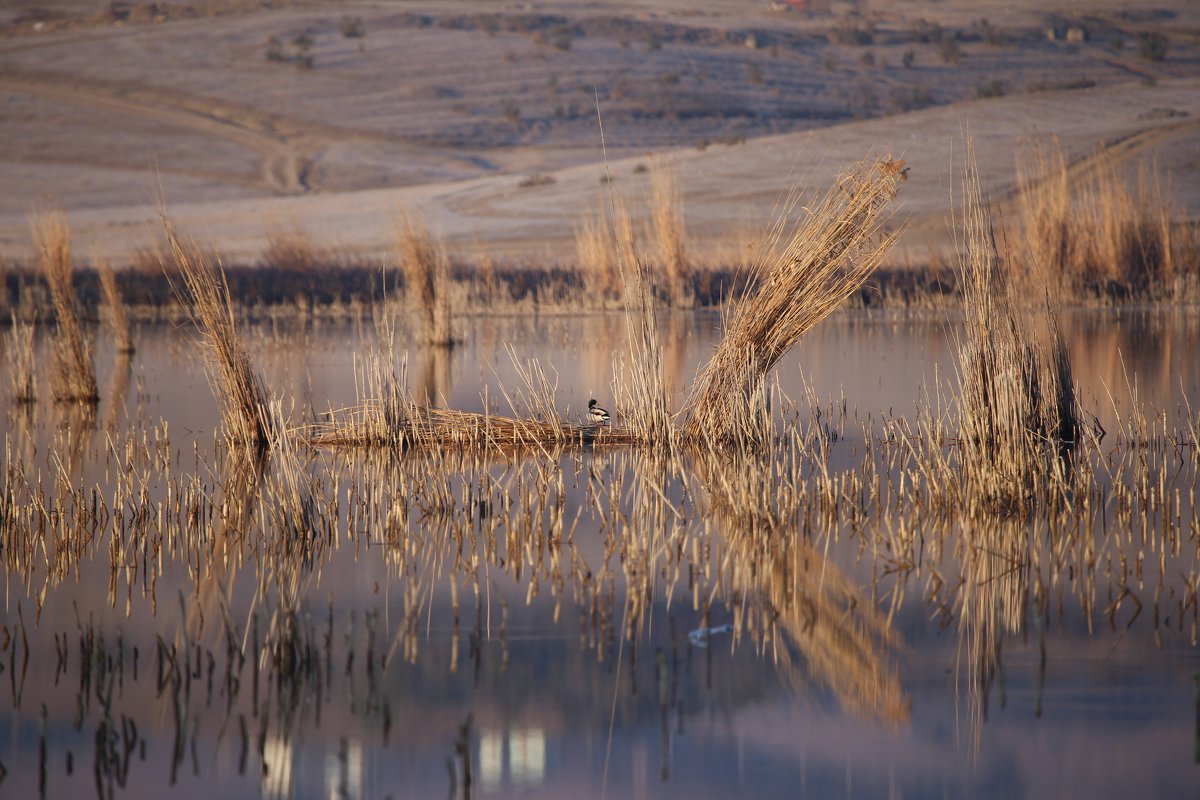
(514, 678)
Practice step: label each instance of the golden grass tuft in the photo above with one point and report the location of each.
(666, 218)
(829, 256)
(245, 409)
(114, 305)
(22, 380)
(73, 378)
(426, 277)
(290, 247)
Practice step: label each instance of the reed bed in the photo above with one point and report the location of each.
(117, 315)
(828, 257)
(426, 277)
(72, 377)
(245, 407)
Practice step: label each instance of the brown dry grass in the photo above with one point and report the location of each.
(248, 416)
(1095, 231)
(829, 256)
(73, 377)
(290, 246)
(666, 222)
(114, 305)
(426, 276)
(597, 257)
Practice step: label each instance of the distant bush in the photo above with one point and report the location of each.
(510, 110)
(992, 88)
(1152, 46)
(851, 29)
(928, 32)
(990, 33)
(352, 27)
(949, 50)
(296, 52)
(1046, 85)
(912, 98)
(558, 37)
(536, 179)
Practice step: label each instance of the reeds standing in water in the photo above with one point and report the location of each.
(114, 305)
(426, 277)
(1016, 389)
(73, 377)
(829, 256)
(249, 418)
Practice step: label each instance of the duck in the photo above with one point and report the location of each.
(596, 413)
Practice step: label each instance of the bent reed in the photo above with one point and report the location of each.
(245, 409)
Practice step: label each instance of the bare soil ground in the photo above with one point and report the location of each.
(330, 116)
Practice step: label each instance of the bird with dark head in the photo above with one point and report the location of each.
(595, 412)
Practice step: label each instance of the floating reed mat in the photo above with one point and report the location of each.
(421, 427)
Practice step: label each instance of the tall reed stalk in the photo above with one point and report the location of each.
(245, 408)
(73, 378)
(426, 277)
(829, 255)
(114, 305)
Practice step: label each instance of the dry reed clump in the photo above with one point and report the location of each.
(114, 305)
(1016, 394)
(22, 380)
(1093, 232)
(829, 256)
(73, 378)
(666, 217)
(248, 416)
(597, 258)
(426, 277)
